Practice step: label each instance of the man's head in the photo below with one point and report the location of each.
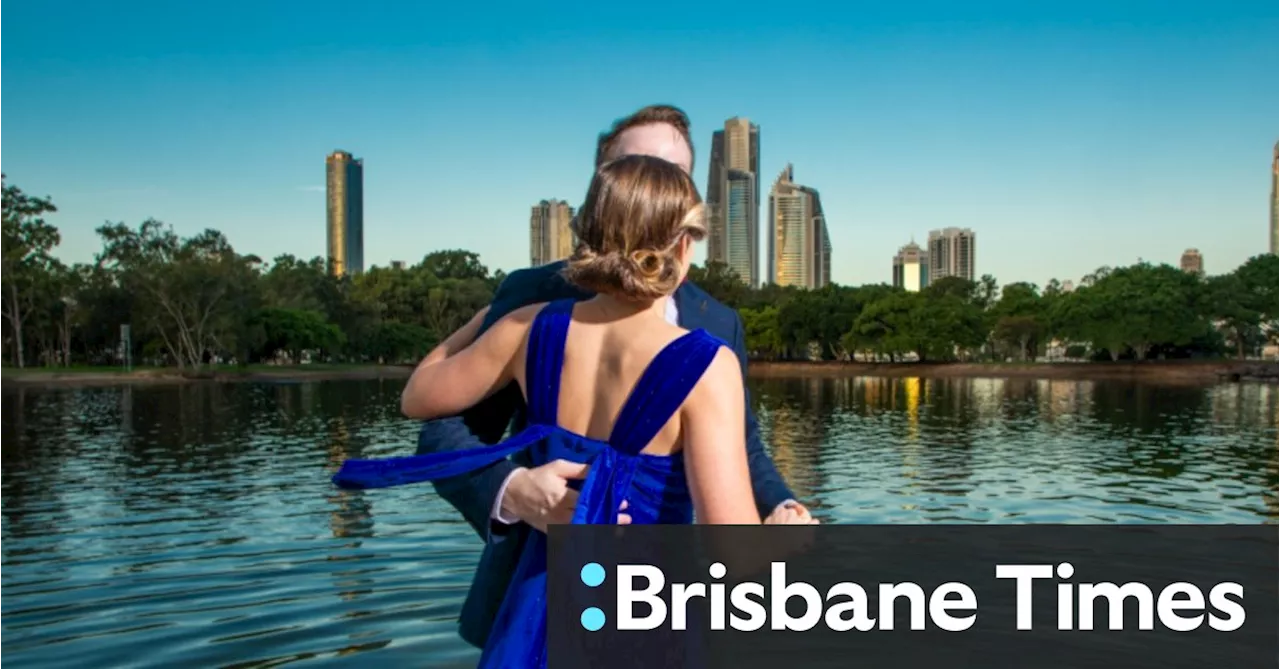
(657, 130)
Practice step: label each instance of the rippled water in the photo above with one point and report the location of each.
(195, 525)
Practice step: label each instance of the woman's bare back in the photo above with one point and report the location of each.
(606, 353)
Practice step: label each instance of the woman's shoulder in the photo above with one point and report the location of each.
(526, 314)
(723, 374)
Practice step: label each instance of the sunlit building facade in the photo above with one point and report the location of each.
(911, 268)
(550, 234)
(799, 251)
(952, 252)
(344, 195)
(733, 199)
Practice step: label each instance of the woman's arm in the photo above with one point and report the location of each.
(456, 376)
(715, 451)
(456, 341)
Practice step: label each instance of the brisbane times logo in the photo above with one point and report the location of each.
(645, 601)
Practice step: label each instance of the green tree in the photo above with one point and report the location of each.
(28, 243)
(1019, 318)
(760, 330)
(1229, 301)
(294, 331)
(455, 264)
(191, 287)
(720, 282)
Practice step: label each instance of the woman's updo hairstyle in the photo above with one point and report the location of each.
(629, 229)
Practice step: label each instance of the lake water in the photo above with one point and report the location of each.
(196, 526)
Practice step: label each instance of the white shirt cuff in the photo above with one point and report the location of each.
(496, 513)
(783, 505)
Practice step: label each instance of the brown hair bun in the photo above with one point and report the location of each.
(637, 212)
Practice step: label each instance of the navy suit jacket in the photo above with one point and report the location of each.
(474, 494)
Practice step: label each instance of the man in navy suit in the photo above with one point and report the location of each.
(509, 499)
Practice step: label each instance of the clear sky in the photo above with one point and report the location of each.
(1067, 135)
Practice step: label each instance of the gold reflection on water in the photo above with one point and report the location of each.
(1271, 498)
(339, 441)
(911, 446)
(797, 432)
(912, 388)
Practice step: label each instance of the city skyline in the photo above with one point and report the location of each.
(1038, 126)
(344, 213)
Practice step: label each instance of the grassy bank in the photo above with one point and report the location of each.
(109, 376)
(1170, 371)
(1161, 371)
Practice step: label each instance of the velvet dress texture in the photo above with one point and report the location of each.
(654, 486)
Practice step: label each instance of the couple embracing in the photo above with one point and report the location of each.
(626, 383)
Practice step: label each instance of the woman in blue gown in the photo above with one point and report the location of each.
(654, 410)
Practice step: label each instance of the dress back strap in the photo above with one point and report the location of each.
(544, 361)
(662, 388)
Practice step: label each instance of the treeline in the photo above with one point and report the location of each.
(193, 301)
(1140, 312)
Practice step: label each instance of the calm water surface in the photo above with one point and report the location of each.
(195, 525)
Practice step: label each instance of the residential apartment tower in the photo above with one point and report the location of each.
(1192, 261)
(799, 246)
(911, 268)
(1275, 203)
(550, 237)
(952, 252)
(733, 199)
(344, 195)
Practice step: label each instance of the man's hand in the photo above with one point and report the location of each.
(541, 496)
(791, 513)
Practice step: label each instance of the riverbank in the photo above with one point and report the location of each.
(1154, 371)
(89, 377)
(1167, 371)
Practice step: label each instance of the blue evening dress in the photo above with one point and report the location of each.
(654, 486)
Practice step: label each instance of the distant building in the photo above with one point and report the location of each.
(1192, 261)
(550, 237)
(1275, 204)
(397, 264)
(733, 199)
(344, 194)
(952, 252)
(911, 268)
(1068, 286)
(799, 246)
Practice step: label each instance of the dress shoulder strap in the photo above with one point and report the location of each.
(662, 388)
(544, 360)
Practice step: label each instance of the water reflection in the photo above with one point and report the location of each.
(197, 521)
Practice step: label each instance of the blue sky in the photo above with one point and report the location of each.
(1067, 135)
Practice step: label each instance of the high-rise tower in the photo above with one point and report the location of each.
(911, 268)
(344, 194)
(1192, 261)
(799, 246)
(952, 252)
(1275, 203)
(550, 237)
(733, 199)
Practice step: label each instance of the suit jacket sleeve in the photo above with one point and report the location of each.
(474, 493)
(767, 484)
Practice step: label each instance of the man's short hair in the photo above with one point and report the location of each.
(653, 114)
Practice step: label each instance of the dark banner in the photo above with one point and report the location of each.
(907, 596)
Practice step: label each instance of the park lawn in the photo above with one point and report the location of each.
(317, 368)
